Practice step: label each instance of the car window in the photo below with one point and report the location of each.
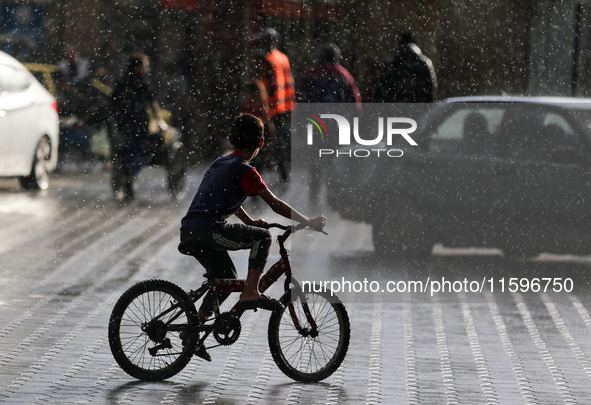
(583, 118)
(12, 80)
(470, 130)
(536, 134)
(558, 120)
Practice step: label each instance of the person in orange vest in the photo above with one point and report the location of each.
(275, 73)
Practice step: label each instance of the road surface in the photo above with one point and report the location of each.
(66, 255)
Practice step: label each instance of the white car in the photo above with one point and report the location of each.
(29, 126)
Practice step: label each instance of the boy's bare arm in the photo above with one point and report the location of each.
(243, 216)
(282, 208)
(247, 219)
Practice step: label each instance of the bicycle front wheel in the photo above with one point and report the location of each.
(305, 353)
(144, 330)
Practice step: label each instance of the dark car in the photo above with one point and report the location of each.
(506, 172)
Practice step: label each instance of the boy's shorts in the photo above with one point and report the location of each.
(211, 250)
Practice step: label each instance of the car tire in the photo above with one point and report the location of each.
(401, 232)
(38, 179)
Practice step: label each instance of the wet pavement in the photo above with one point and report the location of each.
(66, 256)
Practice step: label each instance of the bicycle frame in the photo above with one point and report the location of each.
(155, 328)
(217, 285)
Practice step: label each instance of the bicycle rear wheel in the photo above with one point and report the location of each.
(176, 169)
(309, 355)
(140, 337)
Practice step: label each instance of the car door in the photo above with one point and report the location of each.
(543, 177)
(18, 123)
(454, 177)
(5, 122)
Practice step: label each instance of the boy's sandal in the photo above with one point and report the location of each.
(200, 350)
(264, 302)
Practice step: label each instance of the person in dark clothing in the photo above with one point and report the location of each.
(407, 76)
(132, 97)
(206, 233)
(328, 81)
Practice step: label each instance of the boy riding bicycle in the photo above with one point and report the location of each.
(206, 233)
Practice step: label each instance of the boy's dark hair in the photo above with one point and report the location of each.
(247, 131)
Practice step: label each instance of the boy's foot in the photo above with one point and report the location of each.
(264, 302)
(200, 351)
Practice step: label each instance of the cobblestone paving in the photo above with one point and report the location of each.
(63, 269)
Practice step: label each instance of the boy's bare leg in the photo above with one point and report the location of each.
(251, 298)
(202, 316)
(200, 351)
(251, 286)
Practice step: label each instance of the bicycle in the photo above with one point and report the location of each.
(308, 339)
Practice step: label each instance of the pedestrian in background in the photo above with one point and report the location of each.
(132, 97)
(274, 70)
(72, 70)
(328, 82)
(113, 63)
(178, 99)
(73, 74)
(407, 76)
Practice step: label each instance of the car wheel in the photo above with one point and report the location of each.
(401, 231)
(38, 179)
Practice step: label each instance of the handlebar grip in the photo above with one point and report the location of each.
(294, 228)
(276, 225)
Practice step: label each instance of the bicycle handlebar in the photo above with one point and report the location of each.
(276, 225)
(293, 228)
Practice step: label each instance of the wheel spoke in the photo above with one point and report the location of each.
(310, 354)
(137, 328)
(139, 313)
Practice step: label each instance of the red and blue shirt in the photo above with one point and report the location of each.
(225, 186)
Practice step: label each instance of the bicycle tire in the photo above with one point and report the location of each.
(117, 178)
(130, 344)
(176, 169)
(307, 358)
